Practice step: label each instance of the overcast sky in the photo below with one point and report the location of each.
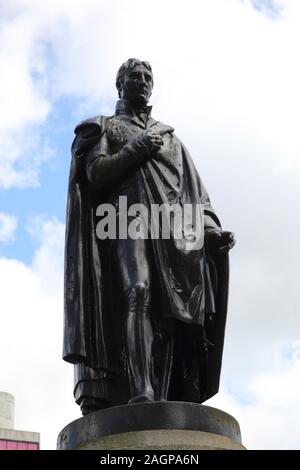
(227, 77)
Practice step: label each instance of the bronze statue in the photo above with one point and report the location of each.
(144, 317)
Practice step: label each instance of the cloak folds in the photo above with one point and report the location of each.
(193, 286)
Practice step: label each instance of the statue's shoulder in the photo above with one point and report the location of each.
(87, 133)
(96, 123)
(160, 127)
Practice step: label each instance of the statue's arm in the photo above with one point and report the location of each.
(104, 169)
(210, 223)
(216, 240)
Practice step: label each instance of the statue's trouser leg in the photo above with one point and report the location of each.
(135, 278)
(91, 389)
(190, 341)
(164, 362)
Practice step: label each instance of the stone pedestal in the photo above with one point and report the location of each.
(155, 426)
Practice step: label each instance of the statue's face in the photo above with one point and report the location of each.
(137, 85)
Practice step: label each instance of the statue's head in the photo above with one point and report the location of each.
(134, 81)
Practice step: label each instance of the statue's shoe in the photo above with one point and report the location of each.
(88, 405)
(142, 397)
(191, 392)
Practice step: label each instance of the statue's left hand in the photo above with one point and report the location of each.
(219, 241)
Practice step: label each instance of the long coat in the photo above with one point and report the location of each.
(192, 285)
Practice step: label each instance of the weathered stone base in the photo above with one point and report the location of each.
(157, 426)
(170, 439)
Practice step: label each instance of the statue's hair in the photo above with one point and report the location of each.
(128, 65)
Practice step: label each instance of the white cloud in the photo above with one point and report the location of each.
(227, 77)
(48, 260)
(271, 8)
(8, 226)
(24, 104)
(266, 405)
(22, 153)
(31, 338)
(271, 418)
(240, 85)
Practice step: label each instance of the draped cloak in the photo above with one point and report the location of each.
(192, 286)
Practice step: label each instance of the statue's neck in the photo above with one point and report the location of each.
(128, 107)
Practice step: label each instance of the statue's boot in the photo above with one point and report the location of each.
(90, 404)
(194, 365)
(139, 343)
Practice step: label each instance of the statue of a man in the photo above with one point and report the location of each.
(144, 316)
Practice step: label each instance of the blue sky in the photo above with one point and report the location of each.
(48, 194)
(270, 8)
(226, 76)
